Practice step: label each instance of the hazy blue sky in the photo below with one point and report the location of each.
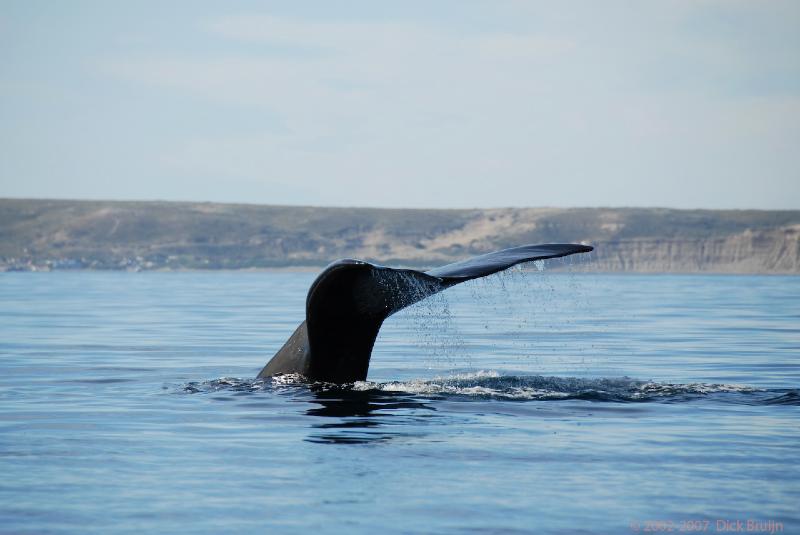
(447, 104)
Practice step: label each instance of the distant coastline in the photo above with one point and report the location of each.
(45, 235)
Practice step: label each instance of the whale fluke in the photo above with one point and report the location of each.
(350, 299)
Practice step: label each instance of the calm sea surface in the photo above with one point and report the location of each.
(541, 402)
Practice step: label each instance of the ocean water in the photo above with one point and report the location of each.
(536, 401)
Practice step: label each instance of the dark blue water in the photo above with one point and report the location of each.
(538, 402)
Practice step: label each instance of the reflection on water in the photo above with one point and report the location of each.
(361, 417)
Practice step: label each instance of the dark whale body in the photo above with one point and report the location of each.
(349, 300)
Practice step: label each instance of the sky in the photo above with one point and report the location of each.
(684, 104)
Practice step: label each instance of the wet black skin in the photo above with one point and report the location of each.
(350, 299)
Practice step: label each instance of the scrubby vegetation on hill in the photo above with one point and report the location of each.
(61, 234)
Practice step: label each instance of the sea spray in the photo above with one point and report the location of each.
(536, 314)
(425, 321)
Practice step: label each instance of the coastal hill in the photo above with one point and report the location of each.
(65, 234)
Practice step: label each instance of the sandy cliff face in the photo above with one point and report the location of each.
(759, 251)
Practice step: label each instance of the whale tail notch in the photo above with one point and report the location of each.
(348, 302)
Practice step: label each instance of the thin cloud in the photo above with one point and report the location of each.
(611, 103)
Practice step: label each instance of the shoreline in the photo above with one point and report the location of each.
(312, 269)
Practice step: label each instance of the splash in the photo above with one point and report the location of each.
(485, 385)
(537, 387)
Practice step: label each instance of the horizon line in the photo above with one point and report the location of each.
(410, 208)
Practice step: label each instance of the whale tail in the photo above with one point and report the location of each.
(350, 299)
